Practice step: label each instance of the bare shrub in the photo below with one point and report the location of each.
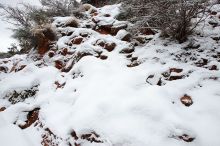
(172, 17)
(72, 22)
(44, 36)
(25, 17)
(60, 7)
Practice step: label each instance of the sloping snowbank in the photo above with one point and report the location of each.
(129, 98)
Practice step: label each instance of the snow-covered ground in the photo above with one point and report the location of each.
(94, 89)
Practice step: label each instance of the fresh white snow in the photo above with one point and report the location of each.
(112, 99)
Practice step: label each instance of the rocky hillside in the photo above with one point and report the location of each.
(100, 86)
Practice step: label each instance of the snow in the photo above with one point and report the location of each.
(113, 100)
(12, 135)
(121, 34)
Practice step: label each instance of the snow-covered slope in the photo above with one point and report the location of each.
(98, 88)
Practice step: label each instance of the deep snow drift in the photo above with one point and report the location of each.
(96, 88)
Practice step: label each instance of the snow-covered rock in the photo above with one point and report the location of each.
(95, 89)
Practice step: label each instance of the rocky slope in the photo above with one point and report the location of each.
(97, 85)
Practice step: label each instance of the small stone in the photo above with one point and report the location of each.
(213, 67)
(84, 35)
(214, 24)
(103, 57)
(3, 69)
(213, 13)
(186, 138)
(110, 46)
(172, 78)
(2, 109)
(95, 14)
(177, 70)
(51, 54)
(64, 52)
(95, 20)
(32, 117)
(107, 15)
(186, 100)
(20, 68)
(134, 59)
(59, 85)
(58, 64)
(129, 56)
(104, 29)
(74, 135)
(100, 43)
(127, 50)
(134, 64)
(115, 29)
(124, 35)
(216, 38)
(77, 40)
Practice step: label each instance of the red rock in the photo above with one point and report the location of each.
(95, 14)
(91, 137)
(43, 45)
(127, 50)
(110, 46)
(2, 109)
(104, 29)
(32, 117)
(134, 59)
(214, 24)
(202, 62)
(177, 70)
(51, 54)
(103, 57)
(48, 138)
(127, 37)
(129, 56)
(186, 138)
(107, 15)
(213, 67)
(172, 78)
(115, 29)
(100, 43)
(186, 100)
(84, 35)
(77, 40)
(213, 13)
(58, 64)
(134, 64)
(216, 38)
(74, 135)
(68, 66)
(3, 69)
(20, 68)
(64, 51)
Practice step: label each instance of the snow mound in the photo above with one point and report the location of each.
(96, 89)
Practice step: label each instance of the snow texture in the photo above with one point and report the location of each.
(124, 105)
